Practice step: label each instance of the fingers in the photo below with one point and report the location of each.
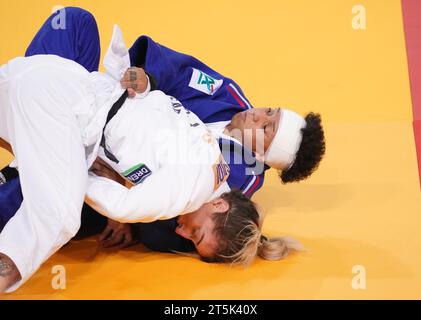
(132, 74)
(100, 172)
(132, 93)
(100, 161)
(105, 234)
(129, 72)
(102, 169)
(95, 165)
(99, 165)
(128, 237)
(116, 238)
(135, 85)
(124, 244)
(119, 238)
(136, 79)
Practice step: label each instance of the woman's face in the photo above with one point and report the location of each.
(199, 227)
(256, 128)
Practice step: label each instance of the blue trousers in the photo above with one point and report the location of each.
(76, 38)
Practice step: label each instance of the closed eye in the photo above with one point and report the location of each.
(265, 127)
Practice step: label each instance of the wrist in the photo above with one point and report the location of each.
(146, 91)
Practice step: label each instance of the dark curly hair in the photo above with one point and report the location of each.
(310, 153)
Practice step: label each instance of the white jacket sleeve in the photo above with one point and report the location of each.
(171, 191)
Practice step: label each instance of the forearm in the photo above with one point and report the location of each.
(9, 274)
(118, 203)
(164, 195)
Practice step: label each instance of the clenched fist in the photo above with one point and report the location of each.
(135, 81)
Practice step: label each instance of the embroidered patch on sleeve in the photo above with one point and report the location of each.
(137, 174)
(204, 82)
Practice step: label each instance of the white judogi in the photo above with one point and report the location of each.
(47, 107)
(167, 153)
(52, 114)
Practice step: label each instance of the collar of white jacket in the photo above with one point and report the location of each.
(117, 58)
(282, 152)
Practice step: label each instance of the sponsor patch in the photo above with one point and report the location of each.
(137, 174)
(221, 172)
(204, 82)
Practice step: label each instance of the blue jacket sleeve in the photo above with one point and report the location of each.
(246, 173)
(210, 95)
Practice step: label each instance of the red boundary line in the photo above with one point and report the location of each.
(411, 10)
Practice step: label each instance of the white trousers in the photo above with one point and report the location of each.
(38, 97)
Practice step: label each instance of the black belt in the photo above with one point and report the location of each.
(113, 111)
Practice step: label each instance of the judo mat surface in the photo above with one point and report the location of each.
(361, 208)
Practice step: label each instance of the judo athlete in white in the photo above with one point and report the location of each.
(44, 102)
(52, 114)
(166, 152)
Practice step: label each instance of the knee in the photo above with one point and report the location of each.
(79, 13)
(76, 11)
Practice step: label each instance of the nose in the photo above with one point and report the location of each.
(255, 116)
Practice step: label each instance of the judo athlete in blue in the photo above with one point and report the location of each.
(215, 99)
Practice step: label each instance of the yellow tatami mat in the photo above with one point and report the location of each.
(361, 208)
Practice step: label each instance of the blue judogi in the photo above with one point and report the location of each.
(172, 73)
(202, 90)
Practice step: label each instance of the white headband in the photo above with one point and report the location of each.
(283, 150)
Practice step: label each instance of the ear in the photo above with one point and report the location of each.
(219, 205)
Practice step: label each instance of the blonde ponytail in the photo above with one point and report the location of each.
(239, 235)
(277, 248)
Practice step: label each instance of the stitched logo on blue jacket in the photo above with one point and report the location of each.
(204, 82)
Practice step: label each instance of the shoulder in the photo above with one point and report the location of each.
(252, 184)
(246, 173)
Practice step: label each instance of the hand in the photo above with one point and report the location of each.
(116, 235)
(102, 169)
(9, 273)
(135, 81)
